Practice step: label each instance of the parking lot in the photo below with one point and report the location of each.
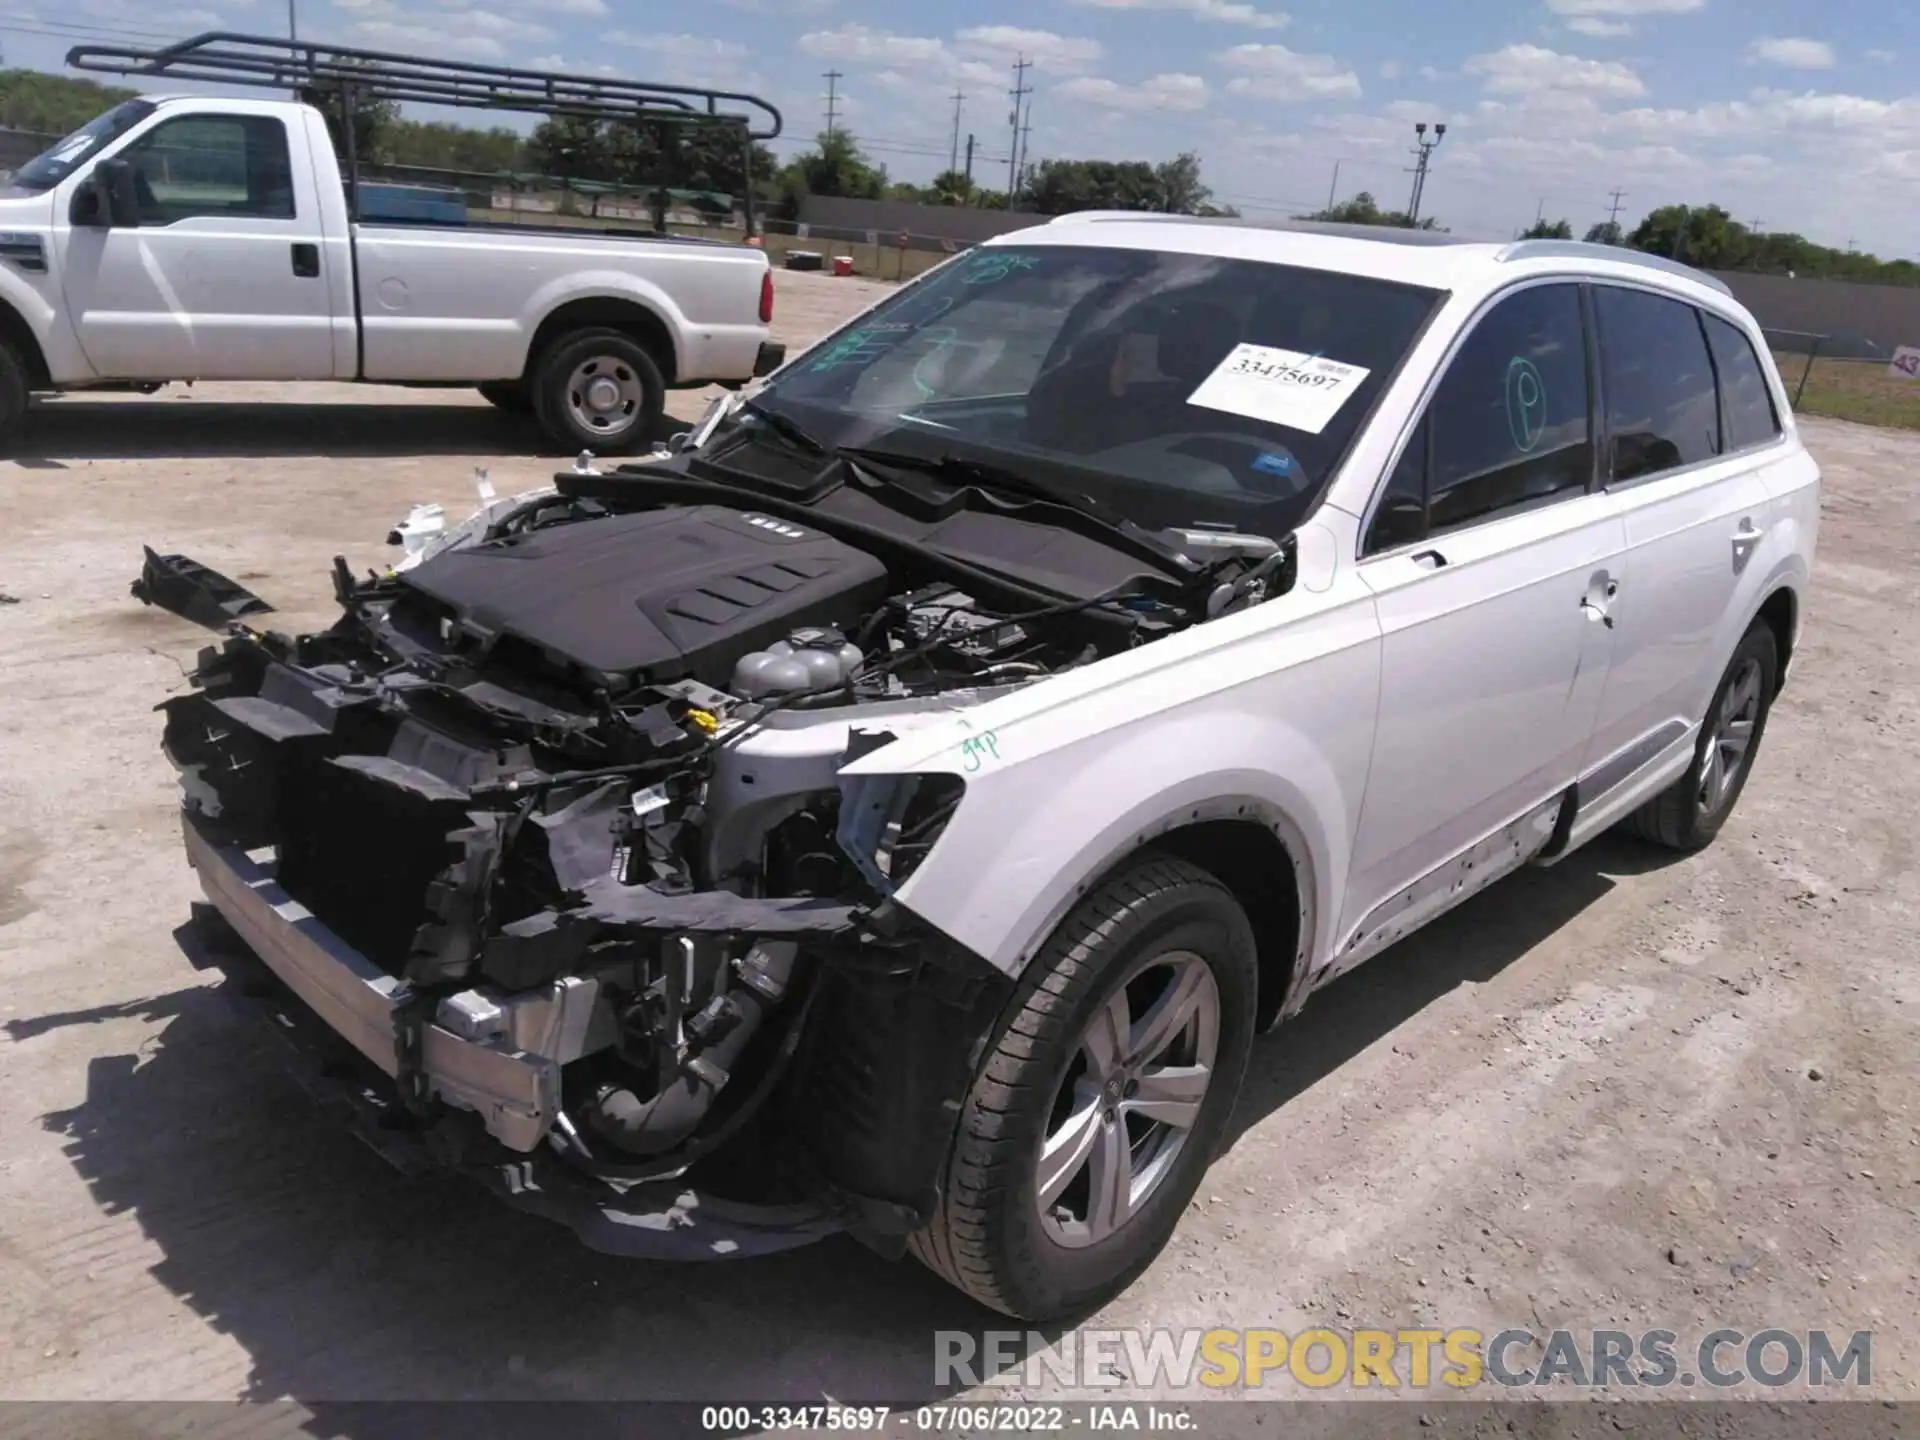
(1626, 1092)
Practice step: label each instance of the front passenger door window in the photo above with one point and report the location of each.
(1507, 428)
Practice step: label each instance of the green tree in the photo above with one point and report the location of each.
(1607, 232)
(1702, 235)
(1174, 187)
(951, 187)
(373, 122)
(1363, 209)
(53, 104)
(1548, 230)
(835, 166)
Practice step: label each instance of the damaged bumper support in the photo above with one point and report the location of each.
(507, 1083)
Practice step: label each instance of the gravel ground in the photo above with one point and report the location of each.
(1627, 1092)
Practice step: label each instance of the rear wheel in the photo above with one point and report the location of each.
(509, 395)
(599, 390)
(1689, 813)
(1104, 1098)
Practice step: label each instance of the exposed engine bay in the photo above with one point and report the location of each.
(566, 783)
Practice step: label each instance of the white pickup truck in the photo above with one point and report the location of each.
(210, 238)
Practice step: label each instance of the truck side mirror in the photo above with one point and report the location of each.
(108, 198)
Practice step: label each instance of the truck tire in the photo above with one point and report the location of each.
(13, 395)
(599, 390)
(508, 395)
(1689, 813)
(1112, 1079)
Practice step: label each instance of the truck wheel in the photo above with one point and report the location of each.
(508, 395)
(599, 390)
(13, 395)
(1104, 1098)
(1689, 813)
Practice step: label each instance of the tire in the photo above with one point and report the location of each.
(1685, 816)
(567, 409)
(14, 386)
(508, 395)
(988, 1235)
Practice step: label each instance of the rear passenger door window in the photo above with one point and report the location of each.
(1507, 428)
(1746, 402)
(1662, 412)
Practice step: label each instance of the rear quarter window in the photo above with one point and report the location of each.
(1746, 401)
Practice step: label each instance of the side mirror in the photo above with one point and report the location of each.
(108, 198)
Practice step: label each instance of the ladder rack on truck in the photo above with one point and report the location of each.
(315, 69)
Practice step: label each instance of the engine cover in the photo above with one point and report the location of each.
(656, 596)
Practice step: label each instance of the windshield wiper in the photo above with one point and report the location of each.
(987, 476)
(785, 427)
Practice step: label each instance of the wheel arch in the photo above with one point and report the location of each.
(631, 317)
(1263, 859)
(1780, 612)
(15, 330)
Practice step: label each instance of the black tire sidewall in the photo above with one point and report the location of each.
(550, 377)
(1203, 919)
(1756, 644)
(14, 391)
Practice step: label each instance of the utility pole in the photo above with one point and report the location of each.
(1613, 214)
(293, 29)
(832, 77)
(1019, 93)
(1753, 226)
(1425, 148)
(1333, 185)
(969, 162)
(953, 159)
(1026, 133)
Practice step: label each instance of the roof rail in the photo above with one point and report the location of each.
(222, 57)
(1619, 254)
(1380, 234)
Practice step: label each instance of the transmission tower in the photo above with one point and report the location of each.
(832, 77)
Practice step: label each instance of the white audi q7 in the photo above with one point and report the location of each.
(898, 810)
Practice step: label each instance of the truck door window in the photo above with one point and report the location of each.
(222, 165)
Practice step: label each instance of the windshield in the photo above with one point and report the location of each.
(1180, 389)
(50, 167)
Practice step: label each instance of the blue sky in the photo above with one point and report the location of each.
(1798, 115)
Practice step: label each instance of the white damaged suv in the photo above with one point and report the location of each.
(898, 810)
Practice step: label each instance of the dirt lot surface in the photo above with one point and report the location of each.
(1626, 1092)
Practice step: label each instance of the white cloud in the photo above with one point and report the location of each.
(1624, 7)
(574, 7)
(1273, 72)
(184, 22)
(444, 36)
(780, 7)
(1527, 69)
(863, 45)
(1880, 55)
(1432, 72)
(1063, 54)
(1157, 92)
(1599, 29)
(1793, 53)
(1391, 70)
(681, 47)
(1220, 12)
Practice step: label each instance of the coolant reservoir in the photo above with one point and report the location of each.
(811, 659)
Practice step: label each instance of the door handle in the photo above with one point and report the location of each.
(1744, 539)
(306, 260)
(1429, 560)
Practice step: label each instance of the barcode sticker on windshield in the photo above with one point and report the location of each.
(1282, 387)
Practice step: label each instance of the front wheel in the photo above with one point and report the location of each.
(13, 395)
(1689, 813)
(1104, 1098)
(599, 390)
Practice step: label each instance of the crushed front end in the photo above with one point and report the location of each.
(549, 829)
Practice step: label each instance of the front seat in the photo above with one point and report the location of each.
(1097, 399)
